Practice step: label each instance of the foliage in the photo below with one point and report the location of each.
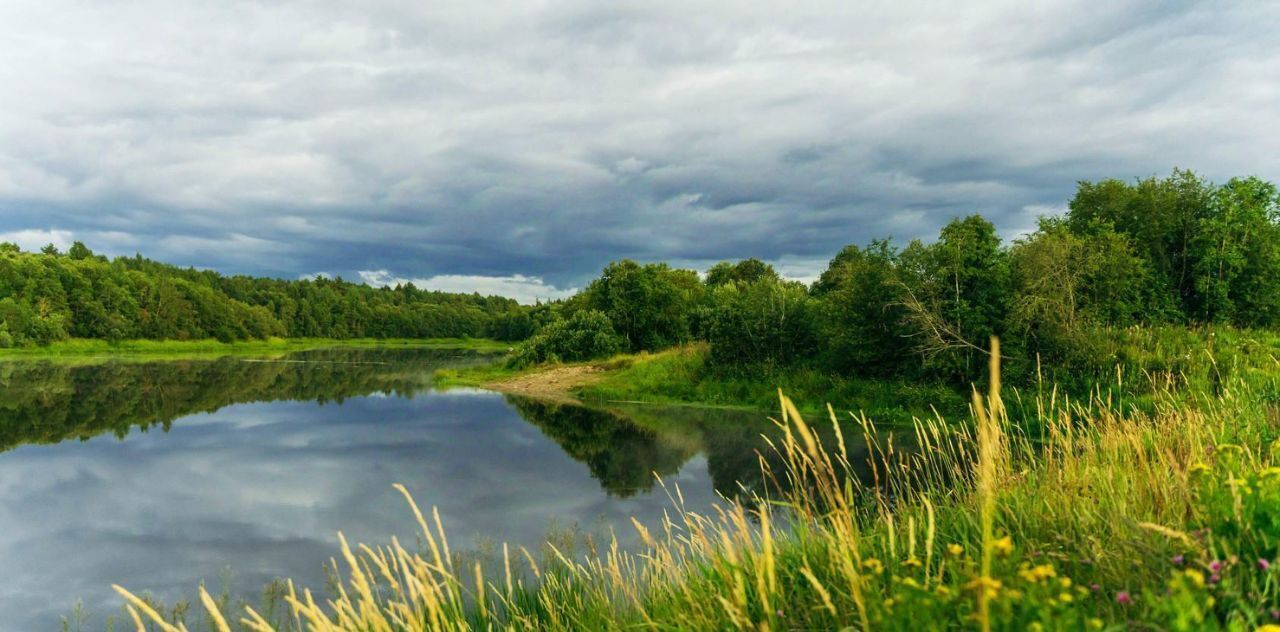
(49, 296)
(586, 335)
(746, 271)
(767, 322)
(862, 315)
(650, 305)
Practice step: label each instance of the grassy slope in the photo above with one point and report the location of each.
(164, 348)
(680, 376)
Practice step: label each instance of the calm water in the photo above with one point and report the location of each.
(159, 475)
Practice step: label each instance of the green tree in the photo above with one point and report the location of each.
(745, 271)
(586, 335)
(955, 294)
(649, 305)
(861, 311)
(766, 323)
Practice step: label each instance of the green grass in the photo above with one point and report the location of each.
(681, 376)
(78, 347)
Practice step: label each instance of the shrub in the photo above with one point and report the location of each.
(586, 335)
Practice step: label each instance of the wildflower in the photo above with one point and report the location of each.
(912, 563)
(1003, 546)
(1179, 560)
(781, 616)
(1270, 627)
(1034, 575)
(1066, 597)
(1195, 576)
(1275, 614)
(1123, 598)
(1264, 565)
(1095, 624)
(1065, 582)
(1095, 587)
(955, 550)
(873, 565)
(991, 587)
(1215, 566)
(1034, 626)
(1215, 578)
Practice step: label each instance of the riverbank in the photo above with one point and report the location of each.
(681, 376)
(82, 348)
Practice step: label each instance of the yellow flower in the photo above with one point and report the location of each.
(912, 563)
(1003, 546)
(955, 550)
(1094, 624)
(873, 565)
(1034, 626)
(1270, 627)
(1196, 578)
(1065, 582)
(1066, 597)
(1034, 575)
(986, 584)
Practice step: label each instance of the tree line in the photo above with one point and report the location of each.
(51, 295)
(1175, 250)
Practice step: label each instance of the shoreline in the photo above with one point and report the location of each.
(134, 349)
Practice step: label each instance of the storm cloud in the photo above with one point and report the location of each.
(508, 143)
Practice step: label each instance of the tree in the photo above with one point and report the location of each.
(1066, 285)
(586, 335)
(649, 305)
(955, 294)
(745, 271)
(767, 323)
(861, 311)
(1236, 255)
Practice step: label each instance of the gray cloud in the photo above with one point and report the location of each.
(463, 140)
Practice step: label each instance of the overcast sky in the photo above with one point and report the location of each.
(517, 147)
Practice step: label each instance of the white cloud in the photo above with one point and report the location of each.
(33, 240)
(525, 289)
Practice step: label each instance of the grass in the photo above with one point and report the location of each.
(681, 376)
(79, 347)
(1101, 517)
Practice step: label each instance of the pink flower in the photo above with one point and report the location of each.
(1179, 560)
(1215, 566)
(1123, 598)
(1264, 565)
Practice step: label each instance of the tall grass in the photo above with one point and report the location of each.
(1095, 516)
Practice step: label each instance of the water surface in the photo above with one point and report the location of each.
(160, 475)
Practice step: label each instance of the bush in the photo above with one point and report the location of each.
(767, 323)
(586, 335)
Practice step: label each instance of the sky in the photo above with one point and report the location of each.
(517, 147)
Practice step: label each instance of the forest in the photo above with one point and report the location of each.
(50, 296)
(1176, 250)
